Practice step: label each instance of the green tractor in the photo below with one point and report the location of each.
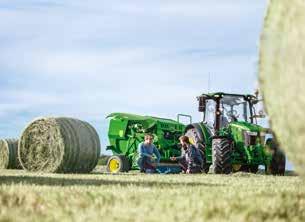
(230, 138)
(126, 131)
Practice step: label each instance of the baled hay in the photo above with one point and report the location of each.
(41, 146)
(4, 155)
(282, 75)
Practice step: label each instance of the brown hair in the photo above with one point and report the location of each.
(148, 135)
(184, 139)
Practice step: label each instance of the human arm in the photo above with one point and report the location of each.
(177, 158)
(157, 154)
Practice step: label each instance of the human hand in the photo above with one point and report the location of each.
(173, 158)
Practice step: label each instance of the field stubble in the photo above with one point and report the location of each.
(136, 197)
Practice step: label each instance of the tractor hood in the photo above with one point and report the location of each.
(246, 126)
(247, 134)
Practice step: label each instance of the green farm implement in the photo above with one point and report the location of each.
(126, 131)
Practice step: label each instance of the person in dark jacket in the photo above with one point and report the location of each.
(191, 160)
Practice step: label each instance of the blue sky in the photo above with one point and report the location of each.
(86, 59)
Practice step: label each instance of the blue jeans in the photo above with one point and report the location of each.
(145, 163)
(184, 166)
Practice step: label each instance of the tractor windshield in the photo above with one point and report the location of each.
(235, 108)
(232, 108)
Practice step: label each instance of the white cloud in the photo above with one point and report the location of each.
(87, 59)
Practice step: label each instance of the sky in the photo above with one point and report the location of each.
(86, 59)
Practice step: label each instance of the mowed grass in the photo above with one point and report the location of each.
(136, 197)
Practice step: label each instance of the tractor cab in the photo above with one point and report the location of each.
(220, 109)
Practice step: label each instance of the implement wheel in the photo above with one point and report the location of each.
(222, 152)
(117, 164)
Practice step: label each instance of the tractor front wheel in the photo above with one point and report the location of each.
(278, 163)
(222, 152)
(249, 168)
(117, 164)
(253, 168)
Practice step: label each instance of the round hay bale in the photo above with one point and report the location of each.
(282, 75)
(8, 154)
(59, 145)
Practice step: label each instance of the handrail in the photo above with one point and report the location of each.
(184, 115)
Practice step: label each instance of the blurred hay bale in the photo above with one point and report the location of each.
(61, 145)
(8, 154)
(103, 159)
(282, 75)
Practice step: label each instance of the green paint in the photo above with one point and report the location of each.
(248, 140)
(126, 131)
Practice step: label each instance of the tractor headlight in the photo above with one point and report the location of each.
(252, 133)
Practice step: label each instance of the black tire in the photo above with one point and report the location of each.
(244, 168)
(222, 152)
(122, 162)
(249, 168)
(206, 168)
(278, 163)
(253, 169)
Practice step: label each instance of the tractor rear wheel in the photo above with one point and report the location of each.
(278, 163)
(117, 164)
(222, 152)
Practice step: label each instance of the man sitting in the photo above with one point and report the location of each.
(147, 150)
(191, 160)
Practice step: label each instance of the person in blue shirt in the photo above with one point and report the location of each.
(191, 160)
(149, 155)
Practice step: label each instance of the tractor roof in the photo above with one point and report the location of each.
(222, 94)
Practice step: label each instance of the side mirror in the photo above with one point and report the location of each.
(254, 102)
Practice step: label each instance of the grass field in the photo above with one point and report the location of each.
(136, 197)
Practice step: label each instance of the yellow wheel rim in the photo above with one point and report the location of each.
(114, 166)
